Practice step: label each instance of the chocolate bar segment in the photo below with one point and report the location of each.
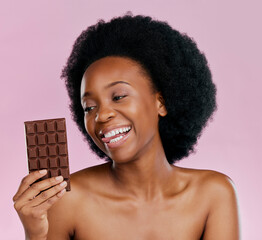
(46, 142)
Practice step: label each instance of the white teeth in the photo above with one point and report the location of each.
(115, 139)
(117, 131)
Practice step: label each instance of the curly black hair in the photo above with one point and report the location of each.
(174, 64)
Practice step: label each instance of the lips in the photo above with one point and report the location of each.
(102, 132)
(106, 140)
(118, 143)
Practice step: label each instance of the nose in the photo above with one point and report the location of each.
(104, 113)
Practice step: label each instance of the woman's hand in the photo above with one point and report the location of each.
(31, 207)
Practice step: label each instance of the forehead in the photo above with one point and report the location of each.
(112, 68)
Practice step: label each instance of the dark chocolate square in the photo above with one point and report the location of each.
(43, 163)
(41, 139)
(50, 126)
(31, 140)
(40, 127)
(51, 138)
(53, 162)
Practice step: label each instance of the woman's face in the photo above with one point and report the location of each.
(116, 96)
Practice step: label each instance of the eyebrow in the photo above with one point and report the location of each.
(86, 94)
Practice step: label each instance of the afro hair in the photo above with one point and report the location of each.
(174, 64)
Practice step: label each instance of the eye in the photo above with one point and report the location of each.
(116, 98)
(88, 109)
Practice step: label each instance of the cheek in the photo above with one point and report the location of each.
(150, 116)
(88, 126)
(86, 123)
(143, 115)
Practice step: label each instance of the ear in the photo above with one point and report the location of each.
(161, 105)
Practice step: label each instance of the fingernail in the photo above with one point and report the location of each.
(61, 193)
(59, 178)
(44, 171)
(63, 183)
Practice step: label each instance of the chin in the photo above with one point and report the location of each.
(119, 156)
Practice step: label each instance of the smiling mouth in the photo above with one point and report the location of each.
(117, 137)
(118, 140)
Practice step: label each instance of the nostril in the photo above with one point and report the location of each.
(104, 115)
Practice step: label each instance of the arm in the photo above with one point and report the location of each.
(223, 221)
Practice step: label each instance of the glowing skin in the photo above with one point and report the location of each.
(133, 106)
(140, 195)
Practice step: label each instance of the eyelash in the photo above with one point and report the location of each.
(88, 109)
(118, 97)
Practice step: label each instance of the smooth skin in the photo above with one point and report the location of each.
(140, 195)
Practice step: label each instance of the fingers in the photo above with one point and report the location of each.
(47, 204)
(27, 181)
(33, 199)
(40, 210)
(49, 196)
(31, 193)
(35, 219)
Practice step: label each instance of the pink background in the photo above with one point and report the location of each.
(36, 39)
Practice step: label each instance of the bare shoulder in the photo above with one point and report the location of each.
(209, 180)
(62, 215)
(219, 192)
(90, 174)
(217, 181)
(218, 186)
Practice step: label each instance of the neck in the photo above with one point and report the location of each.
(146, 178)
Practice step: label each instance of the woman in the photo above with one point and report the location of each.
(141, 93)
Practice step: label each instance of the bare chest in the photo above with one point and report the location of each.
(180, 218)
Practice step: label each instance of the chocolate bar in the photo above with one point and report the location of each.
(46, 142)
